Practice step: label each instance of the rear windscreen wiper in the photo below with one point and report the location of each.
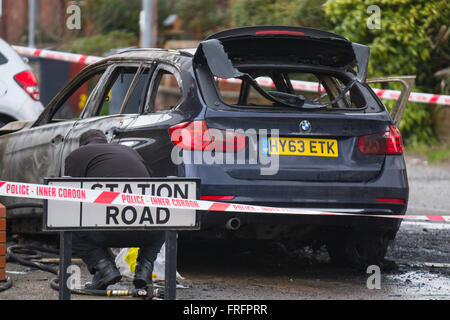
(285, 99)
(222, 67)
(310, 104)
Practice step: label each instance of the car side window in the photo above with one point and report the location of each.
(126, 91)
(166, 93)
(73, 104)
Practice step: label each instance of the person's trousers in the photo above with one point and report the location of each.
(93, 246)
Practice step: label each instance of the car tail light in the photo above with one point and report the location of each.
(27, 80)
(216, 197)
(390, 200)
(195, 135)
(389, 142)
(280, 32)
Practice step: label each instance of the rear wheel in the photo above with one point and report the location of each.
(360, 249)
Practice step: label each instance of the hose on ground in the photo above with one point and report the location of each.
(30, 256)
(144, 293)
(5, 285)
(27, 256)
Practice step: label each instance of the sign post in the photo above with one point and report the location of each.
(65, 257)
(67, 217)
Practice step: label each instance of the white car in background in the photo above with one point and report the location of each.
(19, 88)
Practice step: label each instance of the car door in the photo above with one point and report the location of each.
(149, 133)
(33, 153)
(407, 83)
(119, 102)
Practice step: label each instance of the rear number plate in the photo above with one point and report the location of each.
(301, 147)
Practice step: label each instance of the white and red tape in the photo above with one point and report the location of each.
(38, 191)
(56, 55)
(264, 81)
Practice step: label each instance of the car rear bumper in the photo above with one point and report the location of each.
(387, 194)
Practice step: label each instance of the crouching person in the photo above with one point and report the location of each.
(97, 158)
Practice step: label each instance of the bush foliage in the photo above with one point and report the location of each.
(409, 41)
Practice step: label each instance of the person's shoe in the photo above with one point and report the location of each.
(106, 274)
(143, 274)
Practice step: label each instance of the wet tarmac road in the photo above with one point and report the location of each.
(421, 251)
(218, 272)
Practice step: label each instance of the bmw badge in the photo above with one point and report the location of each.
(305, 126)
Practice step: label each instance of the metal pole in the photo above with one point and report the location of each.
(65, 258)
(171, 266)
(147, 32)
(31, 22)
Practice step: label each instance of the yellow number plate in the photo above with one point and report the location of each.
(303, 147)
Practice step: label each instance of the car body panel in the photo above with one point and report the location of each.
(350, 165)
(31, 154)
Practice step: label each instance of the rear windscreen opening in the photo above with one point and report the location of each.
(313, 88)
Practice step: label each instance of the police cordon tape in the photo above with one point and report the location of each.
(56, 55)
(429, 98)
(38, 191)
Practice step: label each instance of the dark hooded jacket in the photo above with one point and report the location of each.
(97, 158)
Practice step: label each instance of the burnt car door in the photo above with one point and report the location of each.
(407, 83)
(34, 152)
(120, 101)
(149, 133)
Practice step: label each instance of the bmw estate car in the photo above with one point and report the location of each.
(233, 113)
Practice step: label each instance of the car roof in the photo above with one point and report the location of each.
(152, 52)
(176, 57)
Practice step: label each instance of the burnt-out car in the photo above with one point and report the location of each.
(233, 113)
